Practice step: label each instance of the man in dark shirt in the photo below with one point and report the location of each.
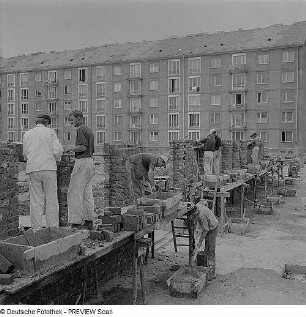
(217, 153)
(80, 197)
(140, 169)
(208, 145)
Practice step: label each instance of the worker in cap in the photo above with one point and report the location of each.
(41, 150)
(217, 152)
(208, 146)
(255, 144)
(140, 168)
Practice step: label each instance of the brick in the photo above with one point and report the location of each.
(156, 209)
(131, 226)
(6, 279)
(96, 235)
(114, 210)
(108, 226)
(136, 211)
(5, 265)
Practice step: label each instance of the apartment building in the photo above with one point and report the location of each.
(152, 92)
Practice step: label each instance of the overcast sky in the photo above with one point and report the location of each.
(44, 25)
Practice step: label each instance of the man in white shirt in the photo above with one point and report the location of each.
(41, 150)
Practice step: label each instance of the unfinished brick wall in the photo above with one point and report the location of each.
(226, 155)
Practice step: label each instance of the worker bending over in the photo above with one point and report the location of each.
(140, 169)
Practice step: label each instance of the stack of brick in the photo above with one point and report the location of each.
(112, 219)
(243, 153)
(98, 184)
(236, 155)
(226, 155)
(134, 219)
(9, 205)
(64, 170)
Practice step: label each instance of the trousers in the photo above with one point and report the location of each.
(210, 250)
(80, 197)
(254, 155)
(208, 160)
(217, 156)
(43, 199)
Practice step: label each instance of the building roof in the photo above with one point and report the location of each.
(274, 36)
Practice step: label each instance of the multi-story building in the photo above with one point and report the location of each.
(153, 92)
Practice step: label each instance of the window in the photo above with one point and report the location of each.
(194, 65)
(153, 102)
(37, 77)
(11, 136)
(117, 120)
(215, 100)
(287, 116)
(215, 117)
(11, 123)
(288, 96)
(10, 109)
(38, 93)
(237, 135)
(52, 76)
(135, 105)
(135, 70)
(215, 80)
(117, 70)
(173, 103)
(83, 105)
(11, 94)
(194, 120)
(24, 123)
(100, 137)
(238, 119)
(262, 78)
(215, 62)
(174, 85)
(117, 87)
(52, 107)
(23, 79)
(24, 94)
(67, 136)
(238, 81)
(135, 136)
(67, 74)
(67, 105)
(263, 135)
(263, 58)
(100, 73)
(82, 91)
(24, 108)
(288, 77)
(22, 133)
(52, 92)
(153, 85)
(288, 56)
(67, 90)
(287, 136)
(262, 97)
(53, 124)
(194, 102)
(193, 135)
(82, 75)
(10, 80)
(101, 105)
(135, 87)
(117, 103)
(85, 119)
(194, 84)
(101, 122)
(117, 136)
(153, 136)
(101, 89)
(262, 117)
(37, 106)
(174, 67)
(238, 99)
(239, 59)
(154, 68)
(153, 119)
(173, 135)
(67, 122)
(173, 120)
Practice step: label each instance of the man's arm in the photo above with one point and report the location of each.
(75, 148)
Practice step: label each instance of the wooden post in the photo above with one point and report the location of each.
(142, 280)
(242, 202)
(134, 272)
(191, 217)
(223, 216)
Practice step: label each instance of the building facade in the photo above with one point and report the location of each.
(150, 93)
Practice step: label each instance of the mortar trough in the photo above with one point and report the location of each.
(38, 250)
(238, 225)
(188, 281)
(294, 272)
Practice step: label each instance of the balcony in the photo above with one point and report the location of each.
(134, 93)
(238, 107)
(134, 127)
(134, 77)
(238, 127)
(234, 69)
(135, 110)
(51, 82)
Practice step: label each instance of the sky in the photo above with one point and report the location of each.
(28, 26)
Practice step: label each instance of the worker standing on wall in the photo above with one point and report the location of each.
(140, 169)
(255, 143)
(41, 150)
(207, 224)
(208, 145)
(217, 152)
(80, 197)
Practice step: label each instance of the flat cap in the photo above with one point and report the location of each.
(44, 116)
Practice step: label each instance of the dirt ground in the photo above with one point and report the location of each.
(249, 266)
